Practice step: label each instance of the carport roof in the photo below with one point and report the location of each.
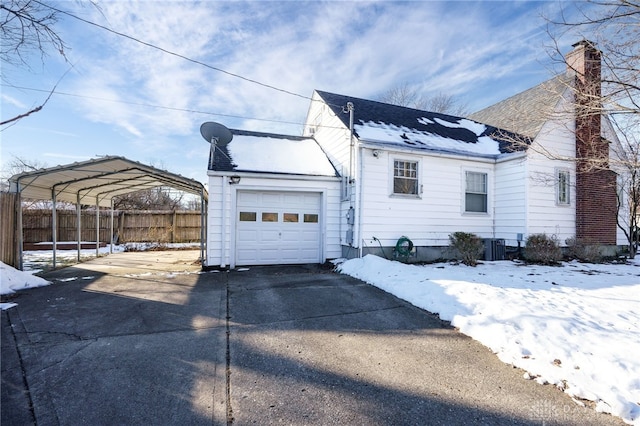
(104, 178)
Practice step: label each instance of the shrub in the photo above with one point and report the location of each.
(584, 250)
(543, 249)
(468, 246)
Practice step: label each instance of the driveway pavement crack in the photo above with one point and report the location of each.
(25, 382)
(228, 359)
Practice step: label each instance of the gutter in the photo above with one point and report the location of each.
(486, 158)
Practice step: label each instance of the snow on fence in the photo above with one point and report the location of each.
(129, 226)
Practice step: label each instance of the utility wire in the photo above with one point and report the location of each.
(151, 105)
(146, 105)
(173, 53)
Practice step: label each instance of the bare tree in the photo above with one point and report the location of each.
(599, 89)
(160, 198)
(19, 165)
(406, 95)
(26, 27)
(16, 166)
(612, 27)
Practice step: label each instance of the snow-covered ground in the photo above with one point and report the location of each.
(576, 326)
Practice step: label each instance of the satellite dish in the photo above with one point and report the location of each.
(216, 133)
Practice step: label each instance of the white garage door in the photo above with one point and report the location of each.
(277, 227)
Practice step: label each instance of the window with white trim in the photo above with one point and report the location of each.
(405, 177)
(563, 180)
(475, 196)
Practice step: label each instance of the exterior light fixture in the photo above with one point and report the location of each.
(234, 180)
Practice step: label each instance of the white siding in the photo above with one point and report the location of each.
(221, 243)
(510, 200)
(553, 149)
(429, 219)
(330, 133)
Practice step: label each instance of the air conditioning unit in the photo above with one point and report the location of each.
(495, 249)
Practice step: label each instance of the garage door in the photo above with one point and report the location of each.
(277, 227)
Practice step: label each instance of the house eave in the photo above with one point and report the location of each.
(372, 144)
(263, 175)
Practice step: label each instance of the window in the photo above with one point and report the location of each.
(475, 192)
(310, 218)
(247, 216)
(564, 180)
(290, 217)
(269, 217)
(405, 177)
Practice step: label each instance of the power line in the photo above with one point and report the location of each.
(151, 105)
(173, 53)
(146, 105)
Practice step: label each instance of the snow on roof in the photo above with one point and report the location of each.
(393, 125)
(417, 139)
(273, 153)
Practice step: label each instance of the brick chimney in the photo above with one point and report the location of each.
(596, 200)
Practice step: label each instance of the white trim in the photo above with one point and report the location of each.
(391, 168)
(487, 158)
(252, 175)
(463, 191)
(556, 175)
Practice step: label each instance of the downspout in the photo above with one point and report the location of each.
(97, 226)
(352, 172)
(20, 235)
(203, 211)
(111, 229)
(351, 142)
(54, 226)
(78, 226)
(360, 168)
(223, 222)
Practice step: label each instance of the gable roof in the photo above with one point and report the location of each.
(257, 152)
(392, 125)
(526, 112)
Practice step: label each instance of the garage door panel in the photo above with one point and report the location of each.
(293, 235)
(268, 236)
(247, 236)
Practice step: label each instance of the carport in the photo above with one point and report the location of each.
(97, 182)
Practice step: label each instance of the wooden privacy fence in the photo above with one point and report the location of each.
(8, 226)
(128, 226)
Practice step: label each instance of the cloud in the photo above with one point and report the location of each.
(13, 101)
(355, 48)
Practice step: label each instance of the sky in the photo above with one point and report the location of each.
(254, 66)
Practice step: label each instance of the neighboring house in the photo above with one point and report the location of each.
(365, 174)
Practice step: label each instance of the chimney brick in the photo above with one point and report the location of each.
(596, 200)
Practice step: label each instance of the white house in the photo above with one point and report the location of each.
(369, 177)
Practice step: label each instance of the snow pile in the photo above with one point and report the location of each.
(12, 280)
(575, 326)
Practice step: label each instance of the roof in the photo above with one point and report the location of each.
(105, 178)
(392, 125)
(257, 152)
(526, 112)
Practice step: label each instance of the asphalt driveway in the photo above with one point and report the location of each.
(150, 339)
